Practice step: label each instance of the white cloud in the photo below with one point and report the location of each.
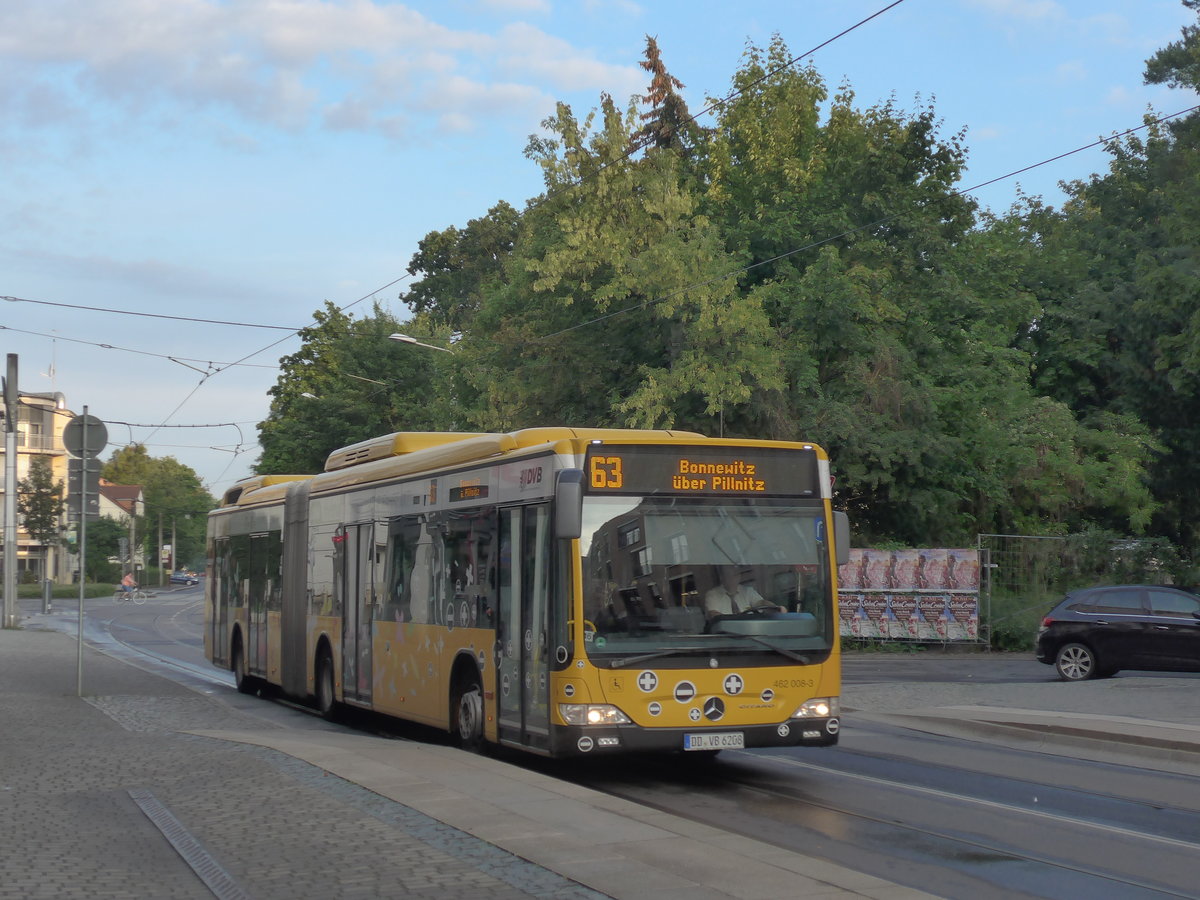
(1023, 9)
(285, 64)
(1071, 71)
(1121, 97)
(529, 51)
(516, 6)
(626, 7)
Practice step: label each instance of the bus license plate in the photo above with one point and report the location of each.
(725, 740)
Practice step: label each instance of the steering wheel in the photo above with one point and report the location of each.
(763, 609)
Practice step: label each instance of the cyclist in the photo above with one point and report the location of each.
(128, 584)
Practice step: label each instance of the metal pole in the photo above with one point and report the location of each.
(10, 494)
(83, 494)
(158, 551)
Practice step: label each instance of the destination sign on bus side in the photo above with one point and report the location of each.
(653, 469)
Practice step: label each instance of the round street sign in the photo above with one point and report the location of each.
(73, 437)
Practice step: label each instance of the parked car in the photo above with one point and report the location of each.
(1095, 632)
(185, 578)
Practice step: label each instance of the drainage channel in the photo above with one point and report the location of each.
(207, 869)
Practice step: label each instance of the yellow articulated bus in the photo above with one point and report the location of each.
(563, 591)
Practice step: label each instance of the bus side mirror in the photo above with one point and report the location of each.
(568, 504)
(841, 537)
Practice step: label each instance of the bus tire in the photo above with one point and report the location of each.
(245, 684)
(326, 698)
(466, 707)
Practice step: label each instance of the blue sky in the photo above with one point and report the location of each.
(246, 160)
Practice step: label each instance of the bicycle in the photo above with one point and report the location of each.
(137, 596)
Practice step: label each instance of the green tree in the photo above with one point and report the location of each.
(40, 503)
(103, 546)
(895, 316)
(1178, 64)
(458, 266)
(1119, 335)
(805, 269)
(173, 495)
(593, 289)
(348, 383)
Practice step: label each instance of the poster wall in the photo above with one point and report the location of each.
(923, 595)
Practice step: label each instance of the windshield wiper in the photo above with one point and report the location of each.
(673, 651)
(784, 651)
(676, 651)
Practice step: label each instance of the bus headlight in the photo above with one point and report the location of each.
(818, 708)
(592, 714)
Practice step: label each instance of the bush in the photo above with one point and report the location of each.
(65, 591)
(1012, 622)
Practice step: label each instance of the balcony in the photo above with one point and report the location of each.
(38, 443)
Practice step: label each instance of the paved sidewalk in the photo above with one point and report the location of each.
(108, 795)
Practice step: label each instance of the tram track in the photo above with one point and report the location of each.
(954, 843)
(1007, 850)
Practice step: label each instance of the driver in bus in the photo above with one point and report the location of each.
(730, 597)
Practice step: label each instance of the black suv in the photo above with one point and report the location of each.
(1095, 632)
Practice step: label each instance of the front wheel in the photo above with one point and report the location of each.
(1076, 662)
(138, 597)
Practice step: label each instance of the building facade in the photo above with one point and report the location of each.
(41, 419)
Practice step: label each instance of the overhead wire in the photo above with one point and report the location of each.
(174, 359)
(293, 333)
(148, 315)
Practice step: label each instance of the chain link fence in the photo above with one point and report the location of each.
(1022, 576)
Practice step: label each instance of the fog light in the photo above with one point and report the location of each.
(818, 708)
(591, 714)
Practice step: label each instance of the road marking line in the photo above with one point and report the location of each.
(991, 804)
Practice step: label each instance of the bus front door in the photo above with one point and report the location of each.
(523, 627)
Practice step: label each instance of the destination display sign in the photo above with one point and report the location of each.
(698, 470)
(468, 492)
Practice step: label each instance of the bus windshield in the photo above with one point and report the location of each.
(671, 578)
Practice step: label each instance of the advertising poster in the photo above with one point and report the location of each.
(924, 594)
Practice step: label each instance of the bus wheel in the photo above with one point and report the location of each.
(467, 705)
(326, 704)
(245, 684)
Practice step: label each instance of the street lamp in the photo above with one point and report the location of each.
(408, 339)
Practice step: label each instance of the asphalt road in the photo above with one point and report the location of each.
(956, 811)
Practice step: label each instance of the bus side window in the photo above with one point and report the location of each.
(421, 583)
(403, 543)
